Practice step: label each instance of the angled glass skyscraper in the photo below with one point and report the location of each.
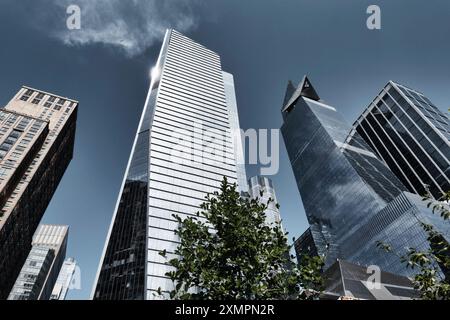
(183, 148)
(262, 188)
(351, 198)
(411, 135)
(334, 178)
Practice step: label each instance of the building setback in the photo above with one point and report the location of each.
(411, 135)
(37, 134)
(42, 266)
(351, 198)
(182, 151)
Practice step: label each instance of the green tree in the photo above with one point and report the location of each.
(228, 251)
(433, 262)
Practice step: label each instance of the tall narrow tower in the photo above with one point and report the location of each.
(183, 148)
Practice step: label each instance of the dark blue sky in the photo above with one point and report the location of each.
(263, 43)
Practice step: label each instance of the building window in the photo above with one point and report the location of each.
(10, 162)
(5, 146)
(26, 95)
(23, 124)
(59, 104)
(38, 98)
(15, 155)
(50, 101)
(10, 140)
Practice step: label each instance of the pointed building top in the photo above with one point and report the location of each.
(304, 89)
(290, 90)
(307, 90)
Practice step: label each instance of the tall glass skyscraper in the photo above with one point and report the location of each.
(411, 135)
(351, 198)
(183, 148)
(334, 178)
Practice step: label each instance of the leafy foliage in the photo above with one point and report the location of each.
(229, 251)
(440, 207)
(431, 263)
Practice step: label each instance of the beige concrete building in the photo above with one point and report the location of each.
(37, 134)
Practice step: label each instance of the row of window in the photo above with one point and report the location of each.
(9, 142)
(395, 152)
(50, 102)
(439, 119)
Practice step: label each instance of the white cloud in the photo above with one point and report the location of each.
(131, 25)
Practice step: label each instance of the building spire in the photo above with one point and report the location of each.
(304, 89)
(307, 90)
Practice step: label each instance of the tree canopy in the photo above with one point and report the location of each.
(229, 251)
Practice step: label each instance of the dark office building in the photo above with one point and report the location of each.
(411, 135)
(341, 185)
(305, 246)
(123, 269)
(37, 135)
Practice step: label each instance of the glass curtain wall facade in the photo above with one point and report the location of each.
(411, 135)
(183, 149)
(235, 130)
(341, 185)
(399, 225)
(351, 198)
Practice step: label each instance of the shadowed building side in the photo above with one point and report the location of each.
(411, 135)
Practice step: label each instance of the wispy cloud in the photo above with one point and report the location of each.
(130, 25)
